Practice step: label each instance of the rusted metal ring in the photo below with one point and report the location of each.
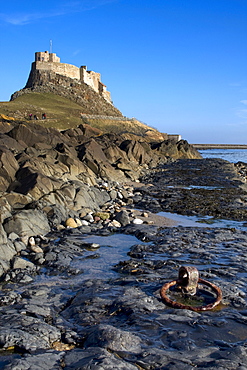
(175, 304)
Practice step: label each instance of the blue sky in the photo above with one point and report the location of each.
(177, 65)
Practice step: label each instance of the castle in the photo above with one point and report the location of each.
(45, 61)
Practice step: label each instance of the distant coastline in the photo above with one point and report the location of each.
(219, 146)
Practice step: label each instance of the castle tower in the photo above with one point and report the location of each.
(45, 56)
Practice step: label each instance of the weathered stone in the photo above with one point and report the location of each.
(95, 358)
(28, 223)
(123, 218)
(5, 208)
(46, 361)
(8, 168)
(20, 263)
(27, 333)
(83, 199)
(17, 200)
(7, 250)
(174, 149)
(107, 336)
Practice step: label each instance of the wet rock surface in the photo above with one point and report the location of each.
(197, 187)
(63, 309)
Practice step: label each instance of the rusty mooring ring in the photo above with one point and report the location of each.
(188, 282)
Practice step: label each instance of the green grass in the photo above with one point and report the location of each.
(63, 113)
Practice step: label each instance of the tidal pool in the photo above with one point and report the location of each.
(99, 263)
(203, 221)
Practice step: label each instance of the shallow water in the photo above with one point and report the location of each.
(203, 221)
(99, 263)
(231, 155)
(95, 263)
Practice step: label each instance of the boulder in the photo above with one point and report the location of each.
(8, 168)
(176, 149)
(31, 133)
(7, 250)
(83, 199)
(34, 183)
(136, 151)
(113, 339)
(17, 200)
(123, 217)
(11, 144)
(56, 214)
(5, 208)
(99, 196)
(27, 223)
(21, 263)
(24, 134)
(89, 131)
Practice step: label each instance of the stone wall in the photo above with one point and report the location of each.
(63, 69)
(90, 78)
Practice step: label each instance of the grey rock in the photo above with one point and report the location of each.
(7, 249)
(123, 218)
(115, 339)
(28, 223)
(46, 361)
(26, 332)
(21, 263)
(95, 358)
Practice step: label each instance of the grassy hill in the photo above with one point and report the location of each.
(62, 113)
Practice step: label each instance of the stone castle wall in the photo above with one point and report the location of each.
(45, 61)
(63, 69)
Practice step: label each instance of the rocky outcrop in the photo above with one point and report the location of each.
(176, 149)
(48, 176)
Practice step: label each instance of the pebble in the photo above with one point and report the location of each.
(89, 217)
(114, 223)
(71, 223)
(78, 222)
(137, 221)
(36, 249)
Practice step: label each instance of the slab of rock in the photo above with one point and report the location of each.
(115, 339)
(27, 223)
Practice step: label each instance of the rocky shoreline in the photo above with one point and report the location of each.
(63, 197)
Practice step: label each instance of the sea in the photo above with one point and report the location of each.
(231, 155)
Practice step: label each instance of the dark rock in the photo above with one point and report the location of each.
(95, 358)
(107, 336)
(176, 149)
(48, 360)
(123, 218)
